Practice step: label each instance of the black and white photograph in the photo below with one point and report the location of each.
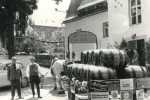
(74, 49)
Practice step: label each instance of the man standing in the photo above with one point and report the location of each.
(33, 72)
(15, 76)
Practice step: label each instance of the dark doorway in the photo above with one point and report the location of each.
(141, 51)
(138, 45)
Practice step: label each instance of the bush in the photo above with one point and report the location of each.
(3, 51)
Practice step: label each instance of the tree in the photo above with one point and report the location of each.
(33, 45)
(8, 9)
(123, 44)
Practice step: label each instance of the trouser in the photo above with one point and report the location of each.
(58, 82)
(35, 80)
(55, 84)
(15, 84)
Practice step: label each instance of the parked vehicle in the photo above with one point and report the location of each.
(3, 76)
(44, 59)
(21, 53)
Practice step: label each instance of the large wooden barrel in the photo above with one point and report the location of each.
(101, 73)
(93, 73)
(76, 70)
(89, 56)
(84, 57)
(93, 58)
(135, 71)
(112, 58)
(98, 57)
(85, 71)
(69, 70)
(145, 71)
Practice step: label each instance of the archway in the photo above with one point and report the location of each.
(80, 41)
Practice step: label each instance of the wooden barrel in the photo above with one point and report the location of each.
(84, 57)
(101, 73)
(116, 58)
(89, 54)
(85, 72)
(98, 58)
(93, 58)
(69, 70)
(146, 72)
(135, 71)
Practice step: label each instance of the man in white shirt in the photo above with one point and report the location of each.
(34, 74)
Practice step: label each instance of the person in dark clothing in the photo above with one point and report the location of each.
(14, 76)
(33, 72)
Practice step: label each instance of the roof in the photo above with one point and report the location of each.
(72, 11)
(77, 5)
(87, 3)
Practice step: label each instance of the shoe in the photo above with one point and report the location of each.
(61, 92)
(55, 88)
(12, 98)
(21, 98)
(39, 97)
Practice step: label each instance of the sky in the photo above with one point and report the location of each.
(46, 15)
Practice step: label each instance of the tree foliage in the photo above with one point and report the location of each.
(32, 45)
(123, 44)
(8, 9)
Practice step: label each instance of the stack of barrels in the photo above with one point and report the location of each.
(112, 58)
(85, 71)
(105, 64)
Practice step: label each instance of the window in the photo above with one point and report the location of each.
(135, 12)
(105, 30)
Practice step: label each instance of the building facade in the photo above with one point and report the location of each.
(84, 26)
(109, 20)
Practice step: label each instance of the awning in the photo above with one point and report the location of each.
(87, 3)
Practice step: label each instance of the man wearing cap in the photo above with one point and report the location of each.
(34, 74)
(14, 76)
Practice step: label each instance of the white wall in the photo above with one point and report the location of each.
(77, 48)
(118, 17)
(144, 27)
(119, 25)
(91, 23)
(119, 22)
